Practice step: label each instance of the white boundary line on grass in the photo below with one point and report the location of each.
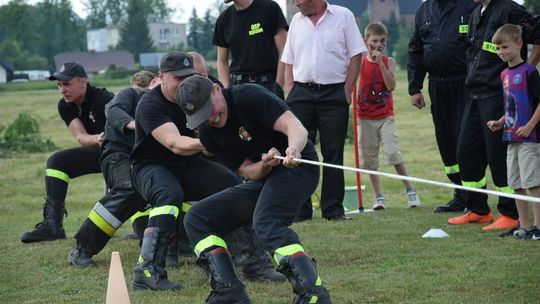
(419, 180)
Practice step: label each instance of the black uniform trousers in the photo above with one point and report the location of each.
(271, 205)
(477, 147)
(66, 164)
(172, 183)
(324, 109)
(270, 85)
(116, 207)
(448, 99)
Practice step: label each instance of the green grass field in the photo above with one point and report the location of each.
(380, 257)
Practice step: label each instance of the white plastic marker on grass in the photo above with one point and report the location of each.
(435, 233)
(419, 180)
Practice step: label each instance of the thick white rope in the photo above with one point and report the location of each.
(419, 180)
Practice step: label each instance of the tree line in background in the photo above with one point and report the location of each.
(31, 35)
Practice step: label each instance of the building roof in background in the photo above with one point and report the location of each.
(94, 62)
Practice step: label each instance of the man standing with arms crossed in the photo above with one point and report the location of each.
(438, 47)
(254, 33)
(322, 58)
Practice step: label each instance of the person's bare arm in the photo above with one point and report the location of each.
(168, 135)
(387, 72)
(352, 74)
(297, 136)
(78, 130)
(256, 171)
(289, 79)
(223, 66)
(526, 130)
(279, 41)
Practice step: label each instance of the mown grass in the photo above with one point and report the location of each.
(377, 258)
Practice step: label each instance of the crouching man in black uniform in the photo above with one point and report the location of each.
(169, 169)
(122, 201)
(82, 108)
(242, 123)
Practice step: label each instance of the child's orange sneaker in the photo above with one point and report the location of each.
(502, 222)
(471, 217)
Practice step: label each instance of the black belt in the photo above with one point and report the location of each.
(252, 77)
(319, 86)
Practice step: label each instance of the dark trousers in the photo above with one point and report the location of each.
(172, 183)
(478, 147)
(270, 205)
(116, 207)
(324, 110)
(72, 162)
(448, 99)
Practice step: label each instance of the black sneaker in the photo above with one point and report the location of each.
(521, 234)
(450, 207)
(534, 234)
(508, 233)
(43, 232)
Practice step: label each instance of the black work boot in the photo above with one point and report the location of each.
(150, 270)
(249, 254)
(171, 259)
(457, 204)
(226, 286)
(51, 228)
(80, 256)
(300, 269)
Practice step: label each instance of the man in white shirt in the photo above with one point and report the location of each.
(322, 59)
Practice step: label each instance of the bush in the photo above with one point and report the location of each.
(22, 136)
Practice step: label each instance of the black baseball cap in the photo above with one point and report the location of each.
(68, 71)
(194, 98)
(177, 63)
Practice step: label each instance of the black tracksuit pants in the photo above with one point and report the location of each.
(478, 147)
(448, 99)
(271, 205)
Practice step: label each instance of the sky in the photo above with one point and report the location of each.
(180, 15)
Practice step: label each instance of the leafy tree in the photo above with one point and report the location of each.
(97, 17)
(158, 9)
(23, 60)
(134, 34)
(364, 21)
(393, 33)
(194, 31)
(207, 31)
(533, 6)
(60, 29)
(18, 23)
(402, 47)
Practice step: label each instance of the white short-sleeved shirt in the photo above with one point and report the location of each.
(321, 53)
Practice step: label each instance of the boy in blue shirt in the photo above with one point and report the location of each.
(521, 130)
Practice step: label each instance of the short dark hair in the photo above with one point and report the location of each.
(142, 79)
(375, 28)
(507, 32)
